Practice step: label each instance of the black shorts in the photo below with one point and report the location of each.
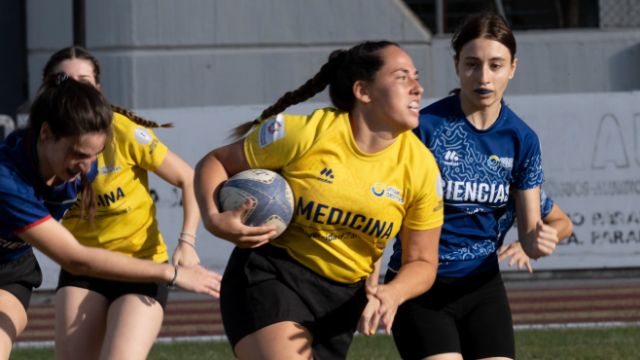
(469, 316)
(115, 289)
(19, 277)
(265, 286)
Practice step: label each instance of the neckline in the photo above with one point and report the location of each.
(354, 146)
(462, 115)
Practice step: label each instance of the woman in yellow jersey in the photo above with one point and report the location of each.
(97, 318)
(301, 295)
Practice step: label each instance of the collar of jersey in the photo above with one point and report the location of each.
(344, 119)
(460, 114)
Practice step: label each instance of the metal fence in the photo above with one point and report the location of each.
(619, 13)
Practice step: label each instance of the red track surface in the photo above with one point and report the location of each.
(539, 306)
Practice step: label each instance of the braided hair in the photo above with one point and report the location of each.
(78, 52)
(340, 72)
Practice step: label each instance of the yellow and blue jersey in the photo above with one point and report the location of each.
(348, 204)
(125, 219)
(25, 199)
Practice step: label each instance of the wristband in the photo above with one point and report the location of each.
(188, 242)
(190, 234)
(172, 284)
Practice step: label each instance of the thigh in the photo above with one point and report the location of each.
(81, 317)
(133, 323)
(486, 330)
(283, 340)
(13, 320)
(420, 331)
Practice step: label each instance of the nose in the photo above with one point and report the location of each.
(417, 88)
(85, 165)
(484, 75)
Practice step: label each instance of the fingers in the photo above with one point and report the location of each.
(371, 290)
(374, 323)
(528, 265)
(242, 208)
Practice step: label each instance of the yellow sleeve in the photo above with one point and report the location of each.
(426, 212)
(142, 147)
(280, 141)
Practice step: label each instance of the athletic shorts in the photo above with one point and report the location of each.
(468, 315)
(19, 277)
(114, 289)
(265, 286)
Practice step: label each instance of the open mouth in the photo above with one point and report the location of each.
(414, 105)
(72, 173)
(483, 91)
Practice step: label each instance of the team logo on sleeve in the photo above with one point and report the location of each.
(142, 136)
(271, 131)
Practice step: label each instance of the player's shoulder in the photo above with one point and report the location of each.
(417, 156)
(315, 125)
(517, 124)
(442, 110)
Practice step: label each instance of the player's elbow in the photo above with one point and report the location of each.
(78, 265)
(567, 230)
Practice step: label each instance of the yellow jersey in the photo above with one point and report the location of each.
(125, 219)
(348, 204)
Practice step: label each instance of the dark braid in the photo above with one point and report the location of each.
(342, 70)
(137, 119)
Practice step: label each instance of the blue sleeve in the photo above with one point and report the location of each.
(20, 209)
(528, 171)
(546, 204)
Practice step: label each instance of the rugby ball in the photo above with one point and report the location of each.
(271, 194)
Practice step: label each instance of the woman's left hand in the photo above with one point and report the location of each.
(389, 302)
(185, 255)
(370, 318)
(514, 250)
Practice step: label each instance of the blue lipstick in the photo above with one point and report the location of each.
(483, 91)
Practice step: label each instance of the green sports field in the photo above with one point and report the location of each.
(567, 344)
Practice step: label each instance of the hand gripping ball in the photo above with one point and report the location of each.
(271, 195)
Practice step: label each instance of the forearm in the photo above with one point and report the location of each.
(105, 264)
(374, 278)
(210, 173)
(191, 212)
(414, 279)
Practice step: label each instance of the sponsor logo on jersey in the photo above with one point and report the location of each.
(271, 131)
(142, 135)
(327, 176)
(327, 215)
(476, 192)
(108, 169)
(110, 198)
(493, 161)
(451, 158)
(380, 190)
(506, 163)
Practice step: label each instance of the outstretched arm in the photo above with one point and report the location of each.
(211, 172)
(178, 173)
(56, 242)
(416, 276)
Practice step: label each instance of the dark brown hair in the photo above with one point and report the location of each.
(72, 109)
(483, 25)
(78, 52)
(340, 72)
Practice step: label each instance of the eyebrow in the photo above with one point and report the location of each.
(406, 71)
(80, 153)
(492, 59)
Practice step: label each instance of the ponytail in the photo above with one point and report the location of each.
(89, 202)
(137, 119)
(340, 72)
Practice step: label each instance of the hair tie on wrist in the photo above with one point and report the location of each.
(188, 234)
(172, 284)
(188, 242)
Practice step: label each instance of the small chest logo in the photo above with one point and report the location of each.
(326, 175)
(378, 189)
(493, 161)
(451, 158)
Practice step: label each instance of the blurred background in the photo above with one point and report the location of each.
(208, 65)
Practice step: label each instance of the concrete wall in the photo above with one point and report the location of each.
(558, 61)
(164, 53)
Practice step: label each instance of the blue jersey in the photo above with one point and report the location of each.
(479, 168)
(25, 199)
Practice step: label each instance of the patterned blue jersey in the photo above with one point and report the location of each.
(25, 199)
(478, 168)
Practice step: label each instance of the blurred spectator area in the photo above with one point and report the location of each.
(538, 14)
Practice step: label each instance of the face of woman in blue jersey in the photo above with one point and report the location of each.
(394, 95)
(484, 68)
(63, 159)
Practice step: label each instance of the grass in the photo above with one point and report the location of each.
(567, 344)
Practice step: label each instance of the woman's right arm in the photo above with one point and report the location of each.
(56, 242)
(211, 172)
